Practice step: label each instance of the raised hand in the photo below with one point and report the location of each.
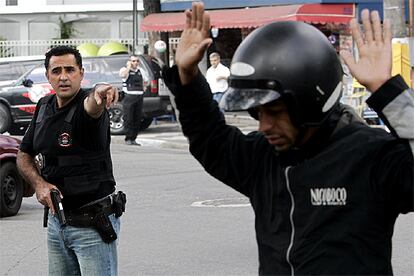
(375, 51)
(194, 42)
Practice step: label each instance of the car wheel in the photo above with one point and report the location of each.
(5, 118)
(11, 190)
(116, 113)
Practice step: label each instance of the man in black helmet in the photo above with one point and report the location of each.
(326, 188)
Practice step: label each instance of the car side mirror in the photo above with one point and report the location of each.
(27, 83)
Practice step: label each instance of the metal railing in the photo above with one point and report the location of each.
(15, 48)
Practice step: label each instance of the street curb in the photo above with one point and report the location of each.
(240, 119)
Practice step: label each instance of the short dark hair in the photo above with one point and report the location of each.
(61, 51)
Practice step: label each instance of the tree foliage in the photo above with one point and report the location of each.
(66, 29)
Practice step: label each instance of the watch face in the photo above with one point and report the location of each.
(65, 140)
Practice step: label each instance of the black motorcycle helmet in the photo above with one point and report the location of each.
(291, 61)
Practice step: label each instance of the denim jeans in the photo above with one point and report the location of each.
(217, 96)
(80, 251)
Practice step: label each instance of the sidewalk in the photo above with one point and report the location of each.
(168, 134)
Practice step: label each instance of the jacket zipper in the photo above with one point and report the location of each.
(292, 209)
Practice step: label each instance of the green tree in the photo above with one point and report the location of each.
(66, 29)
(154, 6)
(5, 51)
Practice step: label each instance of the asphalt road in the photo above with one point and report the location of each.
(179, 220)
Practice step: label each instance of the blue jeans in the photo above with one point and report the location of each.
(217, 96)
(80, 251)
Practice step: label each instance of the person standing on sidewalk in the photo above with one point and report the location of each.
(326, 188)
(66, 150)
(135, 80)
(217, 76)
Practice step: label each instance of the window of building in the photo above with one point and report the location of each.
(11, 2)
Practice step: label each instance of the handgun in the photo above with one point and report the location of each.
(57, 205)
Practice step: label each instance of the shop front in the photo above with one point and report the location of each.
(231, 26)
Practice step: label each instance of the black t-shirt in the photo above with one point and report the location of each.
(92, 135)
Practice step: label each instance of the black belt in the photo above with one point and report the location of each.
(85, 216)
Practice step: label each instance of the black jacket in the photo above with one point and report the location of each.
(328, 207)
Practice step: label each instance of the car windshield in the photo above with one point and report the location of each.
(37, 75)
(115, 63)
(10, 71)
(95, 72)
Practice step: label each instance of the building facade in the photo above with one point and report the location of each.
(43, 19)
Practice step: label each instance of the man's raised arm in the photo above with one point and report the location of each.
(194, 42)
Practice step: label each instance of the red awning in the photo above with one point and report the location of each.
(255, 17)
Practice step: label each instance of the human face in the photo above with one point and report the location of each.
(214, 61)
(275, 124)
(65, 76)
(134, 62)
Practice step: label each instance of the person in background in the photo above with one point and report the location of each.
(135, 80)
(66, 150)
(217, 76)
(326, 188)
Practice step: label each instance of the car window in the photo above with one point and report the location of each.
(37, 75)
(114, 64)
(10, 71)
(95, 71)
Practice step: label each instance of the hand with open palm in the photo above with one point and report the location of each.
(194, 42)
(375, 51)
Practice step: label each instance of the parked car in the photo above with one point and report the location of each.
(12, 186)
(13, 67)
(18, 101)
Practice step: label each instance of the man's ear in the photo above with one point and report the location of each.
(47, 75)
(82, 71)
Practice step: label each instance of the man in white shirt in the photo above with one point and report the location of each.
(217, 76)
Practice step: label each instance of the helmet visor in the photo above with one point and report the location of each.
(237, 99)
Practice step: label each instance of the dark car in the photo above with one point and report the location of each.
(12, 186)
(12, 68)
(18, 101)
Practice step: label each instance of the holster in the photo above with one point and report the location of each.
(104, 227)
(96, 215)
(119, 202)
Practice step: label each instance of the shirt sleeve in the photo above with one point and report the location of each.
(394, 103)
(92, 133)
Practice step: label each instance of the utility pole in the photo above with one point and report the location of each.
(411, 41)
(134, 25)
(394, 11)
(154, 6)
